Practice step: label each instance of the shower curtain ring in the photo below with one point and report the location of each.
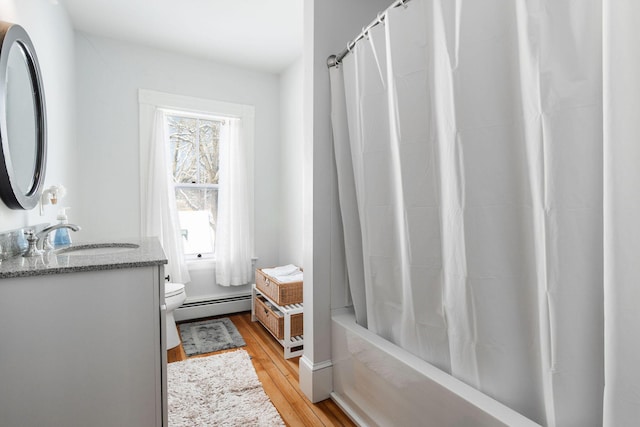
(402, 2)
(380, 17)
(365, 33)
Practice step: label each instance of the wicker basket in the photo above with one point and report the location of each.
(278, 292)
(274, 321)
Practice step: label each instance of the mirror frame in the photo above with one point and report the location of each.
(12, 195)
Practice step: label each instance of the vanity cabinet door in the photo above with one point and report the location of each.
(82, 349)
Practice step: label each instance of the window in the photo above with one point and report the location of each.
(194, 149)
(197, 131)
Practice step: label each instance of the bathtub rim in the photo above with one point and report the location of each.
(345, 318)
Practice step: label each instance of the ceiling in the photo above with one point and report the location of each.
(259, 34)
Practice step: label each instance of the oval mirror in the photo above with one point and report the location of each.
(23, 137)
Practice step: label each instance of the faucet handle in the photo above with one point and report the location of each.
(32, 239)
(30, 235)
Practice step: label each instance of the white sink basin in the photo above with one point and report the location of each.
(98, 249)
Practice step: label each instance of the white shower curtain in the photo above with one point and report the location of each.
(622, 212)
(160, 218)
(475, 134)
(234, 241)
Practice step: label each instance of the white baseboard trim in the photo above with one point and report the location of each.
(346, 408)
(213, 307)
(316, 379)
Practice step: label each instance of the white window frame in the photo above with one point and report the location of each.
(149, 101)
(188, 185)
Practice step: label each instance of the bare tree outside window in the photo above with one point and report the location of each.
(194, 151)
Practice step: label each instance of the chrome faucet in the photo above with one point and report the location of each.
(43, 235)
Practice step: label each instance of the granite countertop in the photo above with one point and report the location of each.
(148, 253)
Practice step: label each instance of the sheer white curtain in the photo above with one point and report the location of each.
(475, 130)
(160, 218)
(622, 212)
(234, 241)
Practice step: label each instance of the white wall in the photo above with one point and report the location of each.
(109, 76)
(50, 30)
(328, 26)
(291, 164)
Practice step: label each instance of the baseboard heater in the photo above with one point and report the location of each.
(213, 307)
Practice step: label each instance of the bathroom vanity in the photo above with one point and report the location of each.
(82, 338)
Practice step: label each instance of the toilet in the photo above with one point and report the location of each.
(174, 296)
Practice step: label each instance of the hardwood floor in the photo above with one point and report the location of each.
(279, 377)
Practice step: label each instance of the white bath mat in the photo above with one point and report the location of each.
(218, 390)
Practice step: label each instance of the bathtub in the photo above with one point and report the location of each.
(380, 384)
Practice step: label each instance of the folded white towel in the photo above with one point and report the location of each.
(290, 278)
(285, 270)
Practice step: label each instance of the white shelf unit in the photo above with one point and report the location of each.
(293, 346)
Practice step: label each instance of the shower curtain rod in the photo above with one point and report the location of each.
(334, 60)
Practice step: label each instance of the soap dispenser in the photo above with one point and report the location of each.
(61, 237)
